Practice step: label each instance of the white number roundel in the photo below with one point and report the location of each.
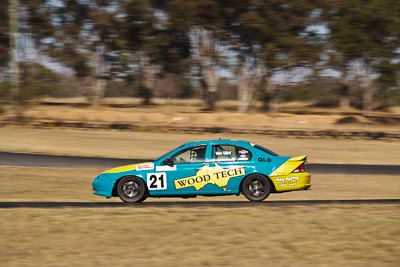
(157, 181)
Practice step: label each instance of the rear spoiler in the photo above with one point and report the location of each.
(299, 158)
(290, 165)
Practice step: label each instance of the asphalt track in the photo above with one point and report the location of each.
(40, 160)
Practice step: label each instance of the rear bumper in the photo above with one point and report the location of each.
(292, 182)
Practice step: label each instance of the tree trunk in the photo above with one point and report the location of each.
(210, 100)
(344, 93)
(344, 90)
(245, 91)
(99, 90)
(15, 94)
(269, 98)
(211, 82)
(149, 73)
(368, 95)
(203, 44)
(99, 86)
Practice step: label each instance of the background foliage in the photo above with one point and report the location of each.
(335, 52)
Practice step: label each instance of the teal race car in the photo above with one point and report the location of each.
(208, 168)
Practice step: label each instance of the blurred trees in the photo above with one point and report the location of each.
(364, 39)
(257, 38)
(156, 45)
(37, 81)
(84, 35)
(270, 37)
(4, 34)
(21, 77)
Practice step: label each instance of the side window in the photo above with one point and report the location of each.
(243, 154)
(193, 154)
(230, 153)
(224, 152)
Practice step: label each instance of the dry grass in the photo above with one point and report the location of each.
(255, 236)
(198, 104)
(47, 184)
(146, 145)
(362, 235)
(133, 144)
(189, 115)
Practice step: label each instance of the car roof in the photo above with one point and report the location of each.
(206, 142)
(217, 141)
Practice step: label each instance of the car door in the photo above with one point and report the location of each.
(231, 164)
(187, 172)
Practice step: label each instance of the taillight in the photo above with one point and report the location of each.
(301, 168)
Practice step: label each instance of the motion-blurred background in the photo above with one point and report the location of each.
(328, 53)
(134, 79)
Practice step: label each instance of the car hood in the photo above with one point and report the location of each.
(132, 167)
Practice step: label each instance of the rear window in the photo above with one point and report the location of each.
(230, 153)
(266, 150)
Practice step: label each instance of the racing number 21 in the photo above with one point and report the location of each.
(157, 181)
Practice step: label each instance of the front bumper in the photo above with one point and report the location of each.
(102, 185)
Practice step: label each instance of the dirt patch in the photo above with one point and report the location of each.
(188, 114)
(348, 120)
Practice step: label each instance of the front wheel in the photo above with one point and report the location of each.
(132, 189)
(256, 187)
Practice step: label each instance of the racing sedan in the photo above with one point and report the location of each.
(207, 168)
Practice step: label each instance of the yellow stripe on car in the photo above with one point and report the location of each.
(122, 169)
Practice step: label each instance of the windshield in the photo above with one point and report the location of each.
(266, 150)
(163, 155)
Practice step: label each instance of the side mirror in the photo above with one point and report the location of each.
(169, 162)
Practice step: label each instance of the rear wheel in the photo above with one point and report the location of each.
(132, 189)
(256, 187)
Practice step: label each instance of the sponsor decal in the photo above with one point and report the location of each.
(243, 152)
(166, 168)
(145, 166)
(157, 181)
(225, 153)
(288, 181)
(264, 160)
(210, 175)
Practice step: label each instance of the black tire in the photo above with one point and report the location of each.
(132, 189)
(256, 187)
